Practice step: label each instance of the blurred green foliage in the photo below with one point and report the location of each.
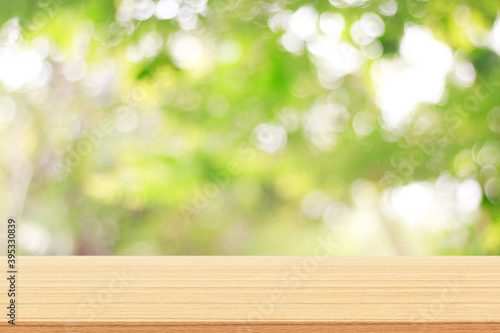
(212, 147)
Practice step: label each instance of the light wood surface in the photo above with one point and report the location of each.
(256, 294)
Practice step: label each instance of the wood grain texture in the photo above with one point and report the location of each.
(256, 294)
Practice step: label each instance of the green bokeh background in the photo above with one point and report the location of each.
(142, 189)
